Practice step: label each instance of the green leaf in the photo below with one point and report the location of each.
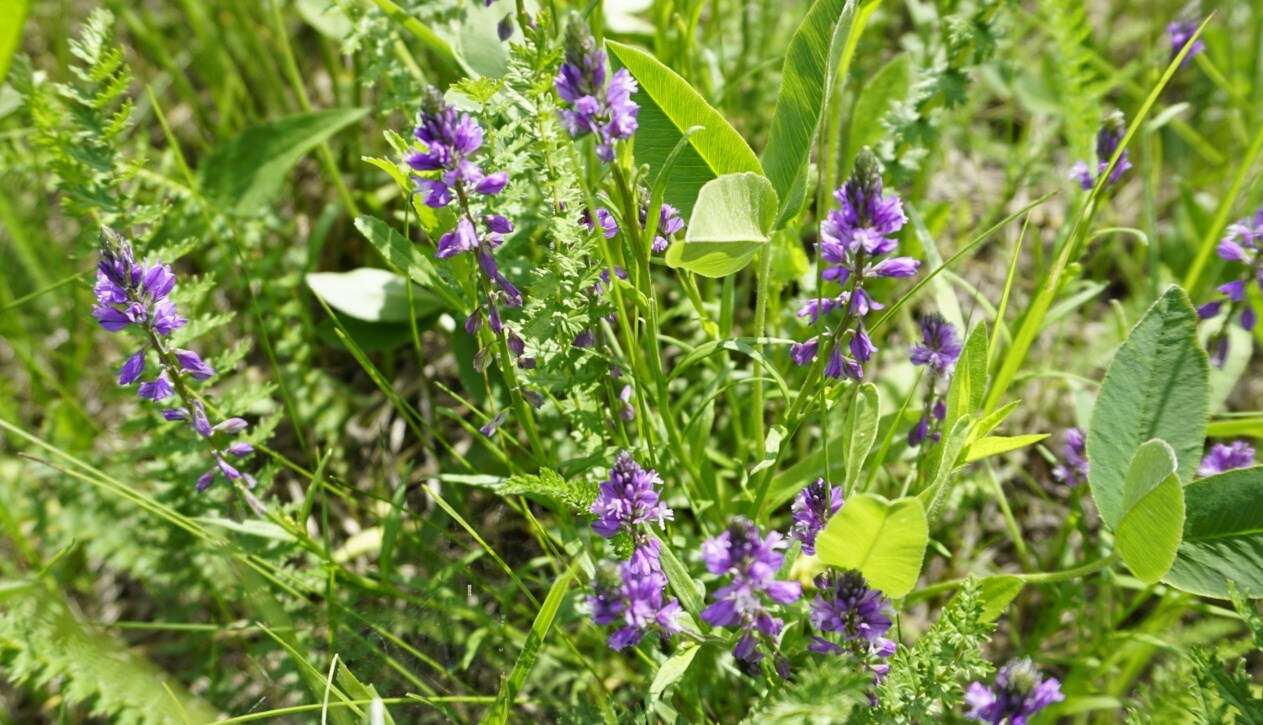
(669, 106)
(861, 431)
(370, 294)
(12, 17)
(1223, 535)
(969, 382)
(942, 466)
(512, 685)
(672, 670)
(1153, 501)
(1156, 387)
(404, 256)
(806, 78)
(996, 445)
(326, 17)
(879, 94)
(997, 593)
(885, 540)
(692, 593)
(247, 172)
(730, 224)
(478, 43)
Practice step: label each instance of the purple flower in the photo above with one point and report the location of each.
(939, 347)
(1019, 692)
(191, 363)
(1238, 454)
(1180, 32)
(157, 389)
(132, 369)
(596, 107)
(752, 562)
(669, 224)
(1073, 468)
(855, 240)
(1240, 246)
(1113, 128)
(844, 605)
(609, 227)
(636, 597)
(628, 499)
(812, 507)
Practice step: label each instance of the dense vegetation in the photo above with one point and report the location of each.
(630, 360)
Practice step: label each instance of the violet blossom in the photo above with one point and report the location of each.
(1113, 128)
(1225, 457)
(811, 509)
(597, 107)
(1072, 470)
(938, 351)
(1240, 247)
(1018, 694)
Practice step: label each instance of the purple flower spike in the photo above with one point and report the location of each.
(604, 110)
(492, 184)
(811, 509)
(844, 605)
(628, 499)
(1018, 694)
(636, 598)
(939, 347)
(1073, 468)
(1238, 454)
(752, 562)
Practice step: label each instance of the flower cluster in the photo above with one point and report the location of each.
(848, 609)
(1225, 457)
(1019, 692)
(133, 295)
(447, 175)
(811, 509)
(938, 351)
(1072, 470)
(628, 502)
(1113, 128)
(670, 224)
(603, 109)
(856, 240)
(1180, 32)
(1240, 246)
(752, 561)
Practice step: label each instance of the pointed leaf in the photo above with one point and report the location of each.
(669, 106)
(1223, 535)
(375, 295)
(247, 172)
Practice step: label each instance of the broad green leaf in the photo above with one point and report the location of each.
(1155, 388)
(806, 78)
(669, 106)
(861, 430)
(731, 222)
(370, 294)
(512, 685)
(672, 670)
(879, 94)
(12, 18)
(246, 173)
(885, 540)
(1153, 520)
(1223, 535)
(996, 445)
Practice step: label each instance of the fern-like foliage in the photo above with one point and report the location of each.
(928, 680)
(1078, 85)
(43, 645)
